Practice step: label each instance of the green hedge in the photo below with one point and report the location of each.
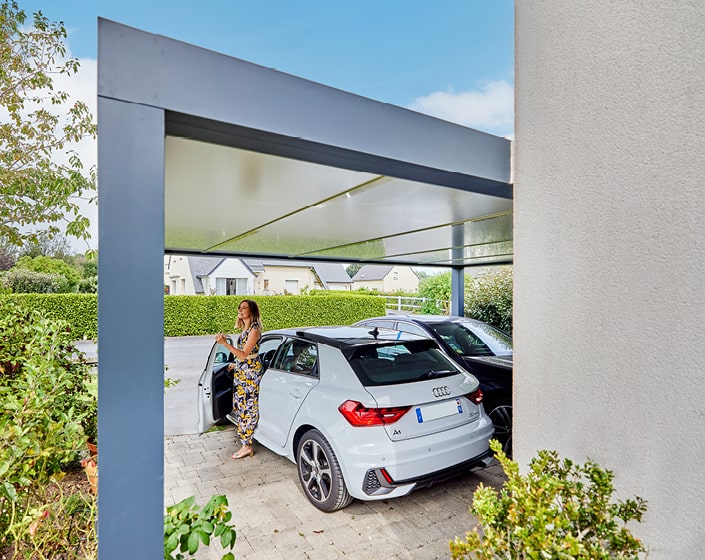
(79, 310)
(201, 315)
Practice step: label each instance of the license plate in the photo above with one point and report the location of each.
(438, 410)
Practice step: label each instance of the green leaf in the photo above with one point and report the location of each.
(193, 542)
(227, 539)
(171, 543)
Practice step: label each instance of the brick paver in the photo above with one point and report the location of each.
(274, 519)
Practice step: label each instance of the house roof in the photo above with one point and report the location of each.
(372, 272)
(326, 272)
(332, 273)
(202, 266)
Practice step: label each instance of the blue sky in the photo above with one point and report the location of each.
(453, 59)
(396, 51)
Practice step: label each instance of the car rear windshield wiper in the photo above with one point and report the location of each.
(436, 373)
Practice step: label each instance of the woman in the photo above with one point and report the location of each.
(247, 374)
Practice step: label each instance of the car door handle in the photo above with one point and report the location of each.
(295, 393)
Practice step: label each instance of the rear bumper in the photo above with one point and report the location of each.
(377, 484)
(379, 469)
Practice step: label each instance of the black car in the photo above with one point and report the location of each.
(483, 350)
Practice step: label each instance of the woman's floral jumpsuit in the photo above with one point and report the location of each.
(246, 378)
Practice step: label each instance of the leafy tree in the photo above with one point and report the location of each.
(352, 269)
(490, 298)
(39, 128)
(8, 255)
(437, 291)
(90, 269)
(47, 245)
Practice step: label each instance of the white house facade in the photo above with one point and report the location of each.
(207, 276)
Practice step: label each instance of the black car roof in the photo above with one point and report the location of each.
(424, 319)
(344, 336)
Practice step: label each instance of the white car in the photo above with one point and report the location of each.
(366, 414)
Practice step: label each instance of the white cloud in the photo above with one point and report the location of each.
(490, 108)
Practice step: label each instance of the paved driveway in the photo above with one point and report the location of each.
(273, 519)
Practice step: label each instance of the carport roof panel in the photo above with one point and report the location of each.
(263, 204)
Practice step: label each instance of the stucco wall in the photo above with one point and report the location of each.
(278, 276)
(609, 174)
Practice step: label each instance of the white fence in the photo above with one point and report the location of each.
(412, 304)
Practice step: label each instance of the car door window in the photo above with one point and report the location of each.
(297, 356)
(268, 347)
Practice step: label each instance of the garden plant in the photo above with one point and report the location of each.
(46, 400)
(558, 510)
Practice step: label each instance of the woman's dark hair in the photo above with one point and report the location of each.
(254, 311)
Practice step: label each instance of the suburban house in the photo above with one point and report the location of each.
(386, 278)
(291, 277)
(187, 275)
(207, 276)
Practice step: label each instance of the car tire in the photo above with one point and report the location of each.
(319, 473)
(501, 416)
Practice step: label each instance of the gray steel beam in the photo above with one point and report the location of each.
(131, 331)
(178, 77)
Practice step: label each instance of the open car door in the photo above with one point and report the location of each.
(215, 387)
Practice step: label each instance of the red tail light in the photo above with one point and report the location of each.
(475, 396)
(359, 415)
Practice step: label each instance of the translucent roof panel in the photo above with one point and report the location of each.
(227, 200)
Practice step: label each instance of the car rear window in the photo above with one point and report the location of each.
(397, 363)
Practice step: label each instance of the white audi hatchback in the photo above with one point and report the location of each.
(366, 414)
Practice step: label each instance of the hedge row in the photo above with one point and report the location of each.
(201, 315)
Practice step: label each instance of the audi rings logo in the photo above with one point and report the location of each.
(441, 391)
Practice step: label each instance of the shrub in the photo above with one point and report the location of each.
(43, 391)
(559, 509)
(49, 265)
(490, 298)
(24, 281)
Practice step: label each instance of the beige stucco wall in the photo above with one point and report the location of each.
(399, 278)
(278, 276)
(609, 273)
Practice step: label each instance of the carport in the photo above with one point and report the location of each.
(200, 153)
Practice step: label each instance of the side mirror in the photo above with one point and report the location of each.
(221, 357)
